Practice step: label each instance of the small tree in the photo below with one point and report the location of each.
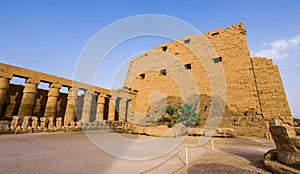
(187, 115)
(171, 110)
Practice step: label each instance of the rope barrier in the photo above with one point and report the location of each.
(186, 147)
(185, 166)
(148, 170)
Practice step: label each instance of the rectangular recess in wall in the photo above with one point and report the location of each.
(163, 72)
(164, 48)
(214, 34)
(217, 59)
(188, 66)
(142, 76)
(187, 41)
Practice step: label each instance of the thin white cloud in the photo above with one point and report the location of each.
(279, 48)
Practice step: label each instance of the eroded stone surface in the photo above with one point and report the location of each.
(226, 132)
(288, 147)
(271, 163)
(255, 93)
(159, 131)
(195, 131)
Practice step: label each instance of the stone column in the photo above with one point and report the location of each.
(53, 95)
(70, 108)
(29, 97)
(4, 86)
(100, 107)
(123, 108)
(112, 109)
(87, 106)
(130, 111)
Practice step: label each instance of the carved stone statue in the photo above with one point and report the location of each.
(50, 122)
(96, 123)
(43, 123)
(4, 125)
(25, 122)
(58, 122)
(34, 123)
(72, 124)
(78, 124)
(14, 123)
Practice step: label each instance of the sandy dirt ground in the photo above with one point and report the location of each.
(222, 162)
(75, 153)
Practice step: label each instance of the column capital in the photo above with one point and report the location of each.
(33, 80)
(88, 96)
(102, 95)
(56, 85)
(53, 91)
(89, 92)
(101, 99)
(73, 91)
(31, 86)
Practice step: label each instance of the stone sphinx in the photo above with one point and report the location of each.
(72, 124)
(78, 124)
(14, 123)
(42, 123)
(97, 123)
(50, 123)
(4, 125)
(25, 123)
(286, 157)
(58, 123)
(34, 123)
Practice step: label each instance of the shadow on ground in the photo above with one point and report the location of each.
(256, 158)
(215, 168)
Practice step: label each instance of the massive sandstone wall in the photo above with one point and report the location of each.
(271, 92)
(255, 93)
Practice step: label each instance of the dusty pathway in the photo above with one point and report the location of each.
(75, 153)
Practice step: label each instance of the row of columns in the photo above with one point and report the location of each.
(29, 98)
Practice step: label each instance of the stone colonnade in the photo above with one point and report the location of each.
(97, 104)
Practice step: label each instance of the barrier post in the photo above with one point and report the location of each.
(212, 144)
(186, 155)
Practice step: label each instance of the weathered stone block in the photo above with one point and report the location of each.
(159, 131)
(195, 131)
(230, 132)
(137, 129)
(288, 147)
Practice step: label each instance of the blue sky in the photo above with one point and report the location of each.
(48, 36)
